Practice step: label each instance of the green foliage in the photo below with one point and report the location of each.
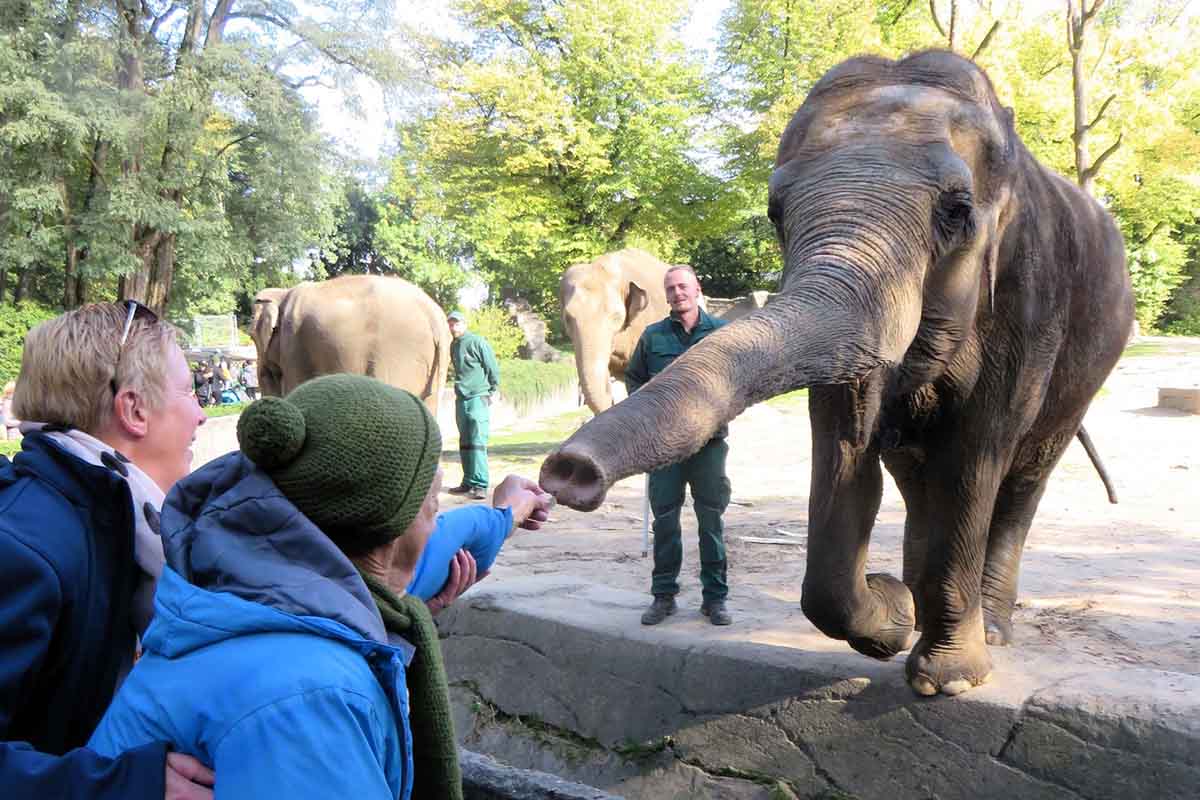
(565, 131)
(177, 165)
(494, 324)
(524, 382)
(15, 322)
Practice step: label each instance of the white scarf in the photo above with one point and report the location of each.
(147, 501)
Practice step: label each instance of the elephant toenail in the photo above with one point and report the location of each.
(923, 686)
(956, 687)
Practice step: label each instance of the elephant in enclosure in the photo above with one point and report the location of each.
(952, 305)
(605, 307)
(364, 324)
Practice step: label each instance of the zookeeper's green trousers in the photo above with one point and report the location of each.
(705, 473)
(472, 416)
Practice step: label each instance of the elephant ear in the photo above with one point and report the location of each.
(637, 302)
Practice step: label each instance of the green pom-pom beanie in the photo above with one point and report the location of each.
(355, 455)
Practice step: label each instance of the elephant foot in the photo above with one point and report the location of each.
(899, 616)
(950, 667)
(997, 629)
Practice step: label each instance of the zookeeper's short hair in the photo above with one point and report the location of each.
(70, 362)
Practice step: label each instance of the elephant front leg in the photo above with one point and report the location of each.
(873, 613)
(951, 655)
(1016, 505)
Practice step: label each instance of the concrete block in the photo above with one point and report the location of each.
(574, 689)
(1181, 399)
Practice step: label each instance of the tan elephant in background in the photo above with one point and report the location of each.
(363, 324)
(605, 307)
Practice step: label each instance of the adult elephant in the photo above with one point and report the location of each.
(605, 307)
(953, 306)
(364, 324)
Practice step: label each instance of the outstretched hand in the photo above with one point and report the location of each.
(463, 575)
(187, 779)
(530, 505)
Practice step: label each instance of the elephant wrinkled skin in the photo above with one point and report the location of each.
(954, 307)
(363, 324)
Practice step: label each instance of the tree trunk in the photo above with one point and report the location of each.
(3, 284)
(1079, 22)
(22, 287)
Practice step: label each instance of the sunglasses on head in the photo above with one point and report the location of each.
(133, 311)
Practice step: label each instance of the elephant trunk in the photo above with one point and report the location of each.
(819, 332)
(591, 362)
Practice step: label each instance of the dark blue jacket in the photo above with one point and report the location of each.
(67, 577)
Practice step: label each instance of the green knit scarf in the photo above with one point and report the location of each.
(436, 772)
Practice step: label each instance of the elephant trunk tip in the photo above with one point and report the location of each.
(574, 480)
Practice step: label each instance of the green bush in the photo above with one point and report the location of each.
(15, 322)
(524, 382)
(494, 324)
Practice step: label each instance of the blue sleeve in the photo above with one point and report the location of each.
(480, 529)
(138, 774)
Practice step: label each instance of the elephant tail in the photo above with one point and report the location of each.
(1086, 441)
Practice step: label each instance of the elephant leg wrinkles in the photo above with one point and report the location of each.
(962, 477)
(873, 613)
(1015, 507)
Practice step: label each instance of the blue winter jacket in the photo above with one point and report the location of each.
(67, 576)
(267, 659)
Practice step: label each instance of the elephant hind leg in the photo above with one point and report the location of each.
(1016, 504)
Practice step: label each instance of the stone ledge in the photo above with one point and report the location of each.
(485, 778)
(557, 675)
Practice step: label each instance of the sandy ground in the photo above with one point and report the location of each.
(1113, 585)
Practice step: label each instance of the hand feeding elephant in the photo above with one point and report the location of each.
(953, 307)
(364, 324)
(605, 307)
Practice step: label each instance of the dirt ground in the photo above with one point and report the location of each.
(1117, 585)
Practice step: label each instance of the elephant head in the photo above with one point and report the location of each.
(262, 327)
(605, 307)
(889, 197)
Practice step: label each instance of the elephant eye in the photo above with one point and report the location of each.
(954, 218)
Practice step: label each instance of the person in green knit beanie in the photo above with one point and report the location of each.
(325, 515)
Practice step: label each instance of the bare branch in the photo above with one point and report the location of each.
(1158, 226)
(1046, 72)
(1094, 170)
(987, 39)
(1100, 113)
(1089, 13)
(937, 22)
(310, 80)
(237, 141)
(902, 11)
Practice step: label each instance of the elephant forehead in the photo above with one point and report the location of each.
(904, 111)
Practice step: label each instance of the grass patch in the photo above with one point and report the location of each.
(794, 399)
(523, 383)
(225, 410)
(1144, 349)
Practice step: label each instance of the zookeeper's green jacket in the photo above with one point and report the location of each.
(476, 371)
(662, 343)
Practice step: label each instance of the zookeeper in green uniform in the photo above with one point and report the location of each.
(662, 343)
(477, 381)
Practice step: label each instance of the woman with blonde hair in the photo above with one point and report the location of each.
(109, 417)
